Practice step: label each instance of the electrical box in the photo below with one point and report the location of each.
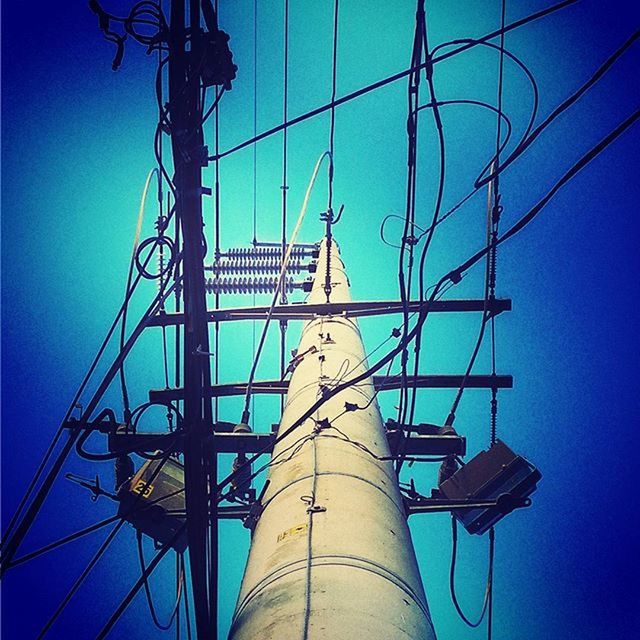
(153, 502)
(496, 474)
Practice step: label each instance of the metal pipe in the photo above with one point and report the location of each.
(331, 555)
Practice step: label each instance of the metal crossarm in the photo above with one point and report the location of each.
(381, 383)
(307, 311)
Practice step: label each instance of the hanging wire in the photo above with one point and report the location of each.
(436, 209)
(495, 222)
(284, 186)
(332, 112)
(255, 165)
(63, 541)
(407, 241)
(394, 78)
(285, 107)
(147, 589)
(332, 124)
(132, 263)
(280, 283)
(452, 579)
(187, 613)
(180, 580)
(493, 218)
(162, 216)
(451, 278)
(217, 214)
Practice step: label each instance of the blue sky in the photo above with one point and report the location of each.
(76, 148)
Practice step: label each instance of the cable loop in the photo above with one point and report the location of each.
(156, 241)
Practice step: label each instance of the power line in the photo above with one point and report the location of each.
(390, 79)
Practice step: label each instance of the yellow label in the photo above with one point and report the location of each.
(294, 531)
(143, 488)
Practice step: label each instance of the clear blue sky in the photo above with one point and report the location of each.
(76, 148)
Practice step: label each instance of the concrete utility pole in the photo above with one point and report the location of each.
(331, 556)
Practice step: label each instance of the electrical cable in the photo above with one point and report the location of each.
(280, 281)
(179, 582)
(215, 103)
(132, 261)
(561, 108)
(496, 211)
(310, 501)
(530, 77)
(255, 165)
(138, 585)
(393, 78)
(217, 219)
(332, 111)
(285, 106)
(407, 242)
(452, 578)
(147, 590)
(14, 542)
(453, 277)
(408, 405)
(81, 578)
(284, 188)
(332, 124)
(186, 600)
(63, 541)
(414, 225)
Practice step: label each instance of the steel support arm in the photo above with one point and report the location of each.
(381, 383)
(349, 309)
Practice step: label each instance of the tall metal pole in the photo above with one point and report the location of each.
(331, 555)
(200, 465)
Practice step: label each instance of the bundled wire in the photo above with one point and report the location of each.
(408, 241)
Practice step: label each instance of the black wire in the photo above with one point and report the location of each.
(103, 457)
(530, 77)
(332, 121)
(410, 408)
(63, 541)
(407, 244)
(81, 578)
(211, 109)
(147, 590)
(123, 324)
(186, 599)
(138, 585)
(454, 276)
(495, 221)
(393, 78)
(63, 425)
(284, 187)
(443, 103)
(567, 176)
(452, 578)
(561, 108)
